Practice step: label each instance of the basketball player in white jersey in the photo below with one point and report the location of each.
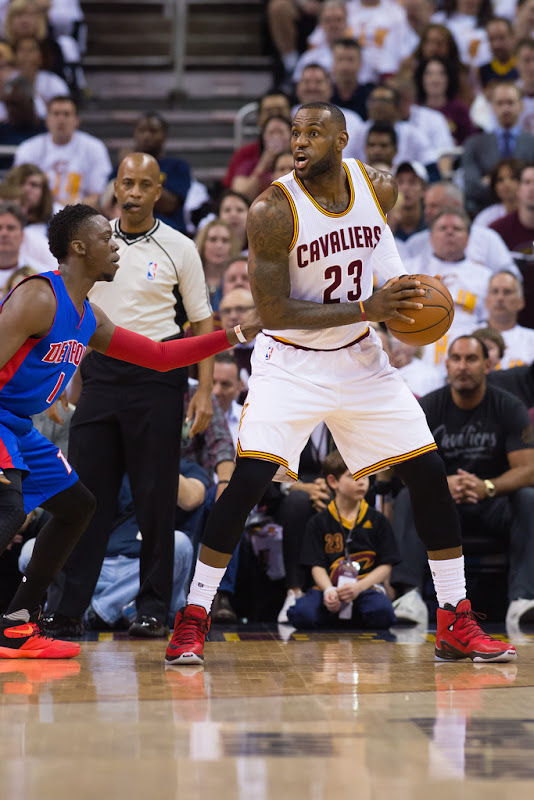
(312, 235)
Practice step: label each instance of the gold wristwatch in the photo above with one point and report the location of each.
(490, 488)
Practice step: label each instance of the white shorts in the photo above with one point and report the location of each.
(373, 417)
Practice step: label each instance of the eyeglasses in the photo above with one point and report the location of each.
(235, 309)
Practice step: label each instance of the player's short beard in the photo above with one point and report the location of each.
(323, 165)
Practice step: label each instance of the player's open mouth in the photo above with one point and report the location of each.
(301, 160)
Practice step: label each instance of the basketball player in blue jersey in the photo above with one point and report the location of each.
(46, 323)
(315, 237)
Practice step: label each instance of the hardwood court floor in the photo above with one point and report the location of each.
(318, 717)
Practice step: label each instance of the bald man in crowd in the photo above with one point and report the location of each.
(129, 419)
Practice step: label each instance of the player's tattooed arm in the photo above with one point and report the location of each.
(385, 187)
(270, 231)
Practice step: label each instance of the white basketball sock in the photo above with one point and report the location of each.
(449, 580)
(204, 585)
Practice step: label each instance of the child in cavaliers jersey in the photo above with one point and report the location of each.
(348, 531)
(46, 323)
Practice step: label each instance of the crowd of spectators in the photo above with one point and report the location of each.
(441, 94)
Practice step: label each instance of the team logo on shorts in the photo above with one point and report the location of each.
(152, 268)
(269, 353)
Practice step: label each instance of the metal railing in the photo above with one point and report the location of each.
(177, 13)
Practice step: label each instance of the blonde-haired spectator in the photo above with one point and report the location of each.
(216, 243)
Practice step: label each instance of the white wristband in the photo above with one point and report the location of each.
(240, 336)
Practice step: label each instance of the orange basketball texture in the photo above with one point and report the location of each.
(432, 321)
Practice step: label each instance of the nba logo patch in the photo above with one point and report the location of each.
(152, 268)
(269, 353)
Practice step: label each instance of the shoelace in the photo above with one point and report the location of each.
(190, 629)
(39, 631)
(470, 624)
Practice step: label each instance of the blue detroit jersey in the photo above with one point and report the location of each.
(39, 371)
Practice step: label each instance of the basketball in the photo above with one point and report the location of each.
(432, 321)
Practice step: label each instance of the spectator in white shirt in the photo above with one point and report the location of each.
(382, 29)
(227, 386)
(383, 105)
(333, 24)
(466, 19)
(28, 61)
(419, 377)
(482, 247)
(432, 122)
(504, 301)
(466, 281)
(76, 163)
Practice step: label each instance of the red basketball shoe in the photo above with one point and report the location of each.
(191, 625)
(459, 635)
(26, 640)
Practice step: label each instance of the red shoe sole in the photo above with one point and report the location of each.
(9, 652)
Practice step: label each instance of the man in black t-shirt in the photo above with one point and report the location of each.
(485, 439)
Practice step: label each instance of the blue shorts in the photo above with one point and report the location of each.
(46, 471)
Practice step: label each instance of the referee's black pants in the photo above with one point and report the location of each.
(128, 424)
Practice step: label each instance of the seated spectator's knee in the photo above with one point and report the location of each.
(380, 618)
(522, 503)
(183, 546)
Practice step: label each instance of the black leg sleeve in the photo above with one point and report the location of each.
(71, 512)
(12, 514)
(227, 518)
(434, 512)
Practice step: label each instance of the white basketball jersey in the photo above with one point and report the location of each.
(330, 254)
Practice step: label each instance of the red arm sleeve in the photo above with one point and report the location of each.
(163, 356)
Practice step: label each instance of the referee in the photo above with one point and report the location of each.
(128, 418)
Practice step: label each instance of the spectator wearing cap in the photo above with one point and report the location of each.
(407, 217)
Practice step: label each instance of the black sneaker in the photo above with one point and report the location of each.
(146, 627)
(94, 622)
(62, 627)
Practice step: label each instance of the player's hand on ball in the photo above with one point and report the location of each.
(392, 299)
